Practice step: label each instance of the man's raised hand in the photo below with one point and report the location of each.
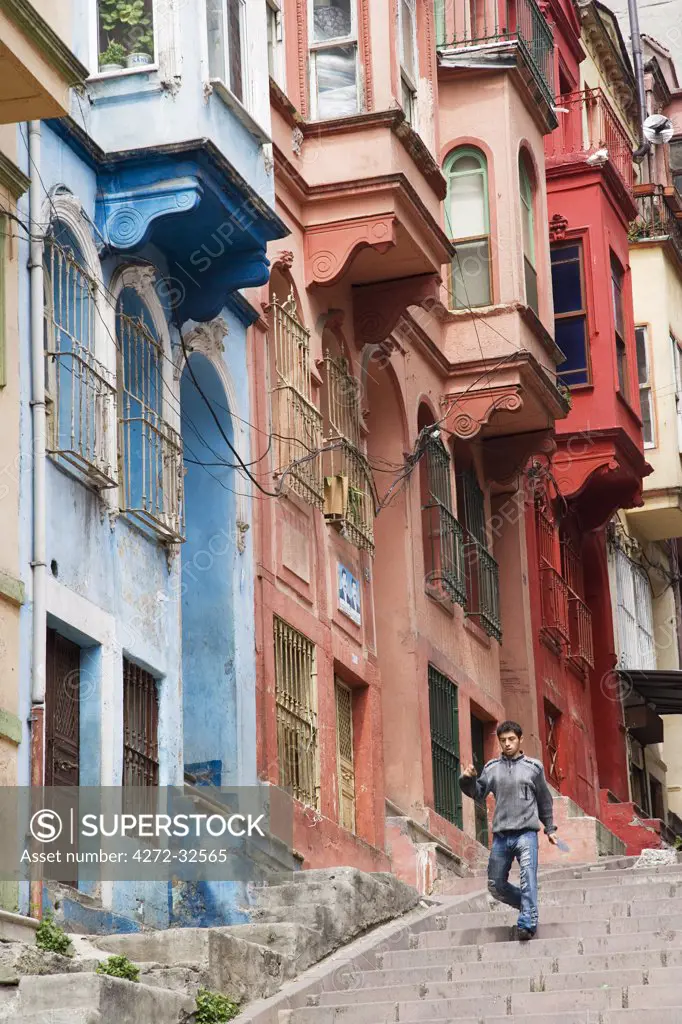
(470, 772)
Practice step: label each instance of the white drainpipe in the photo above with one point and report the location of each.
(38, 562)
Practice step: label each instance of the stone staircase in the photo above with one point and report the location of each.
(608, 949)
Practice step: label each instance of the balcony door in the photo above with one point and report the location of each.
(62, 711)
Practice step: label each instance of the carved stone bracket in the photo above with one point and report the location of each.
(557, 228)
(206, 338)
(378, 309)
(329, 248)
(467, 412)
(284, 260)
(125, 218)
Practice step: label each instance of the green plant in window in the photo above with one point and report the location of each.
(355, 501)
(129, 21)
(115, 53)
(212, 1008)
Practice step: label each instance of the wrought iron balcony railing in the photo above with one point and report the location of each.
(555, 602)
(655, 220)
(496, 23)
(588, 124)
(483, 586)
(581, 647)
(349, 493)
(83, 413)
(447, 570)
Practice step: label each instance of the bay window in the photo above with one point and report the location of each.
(275, 41)
(570, 313)
(644, 380)
(528, 234)
(333, 58)
(468, 223)
(409, 58)
(619, 325)
(226, 32)
(635, 614)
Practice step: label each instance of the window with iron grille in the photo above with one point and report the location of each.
(140, 727)
(296, 700)
(297, 422)
(581, 643)
(444, 718)
(345, 755)
(552, 717)
(553, 587)
(81, 390)
(349, 489)
(150, 450)
(443, 535)
(635, 614)
(482, 572)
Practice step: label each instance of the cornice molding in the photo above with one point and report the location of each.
(12, 178)
(56, 53)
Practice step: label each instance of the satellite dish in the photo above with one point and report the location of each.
(657, 129)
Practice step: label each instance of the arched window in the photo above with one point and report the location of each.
(80, 391)
(151, 451)
(468, 225)
(528, 232)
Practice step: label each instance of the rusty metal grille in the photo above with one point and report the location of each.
(443, 531)
(349, 486)
(547, 535)
(552, 723)
(150, 450)
(444, 720)
(581, 643)
(295, 696)
(345, 757)
(81, 389)
(140, 727)
(297, 422)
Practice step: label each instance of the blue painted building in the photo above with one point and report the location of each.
(156, 207)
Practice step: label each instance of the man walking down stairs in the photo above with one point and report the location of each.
(608, 951)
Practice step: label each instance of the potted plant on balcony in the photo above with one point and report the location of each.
(113, 58)
(131, 25)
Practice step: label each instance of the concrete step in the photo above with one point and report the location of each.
(110, 1000)
(639, 961)
(15, 928)
(556, 947)
(573, 1005)
(591, 926)
(55, 1017)
(635, 876)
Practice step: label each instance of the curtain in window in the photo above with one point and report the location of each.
(468, 225)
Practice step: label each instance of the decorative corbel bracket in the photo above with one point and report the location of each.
(125, 218)
(467, 412)
(330, 248)
(378, 308)
(207, 338)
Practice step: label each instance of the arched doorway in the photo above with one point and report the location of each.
(208, 566)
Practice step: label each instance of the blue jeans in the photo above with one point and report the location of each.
(522, 846)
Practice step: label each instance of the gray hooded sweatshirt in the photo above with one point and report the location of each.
(522, 796)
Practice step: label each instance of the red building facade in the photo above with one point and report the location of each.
(598, 465)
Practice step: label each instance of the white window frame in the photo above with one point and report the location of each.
(329, 44)
(275, 16)
(676, 352)
(95, 51)
(646, 392)
(223, 81)
(635, 614)
(407, 83)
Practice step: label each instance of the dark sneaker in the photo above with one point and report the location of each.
(523, 934)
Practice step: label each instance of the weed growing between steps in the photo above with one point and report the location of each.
(212, 1008)
(119, 967)
(51, 938)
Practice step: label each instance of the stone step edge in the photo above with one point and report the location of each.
(361, 951)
